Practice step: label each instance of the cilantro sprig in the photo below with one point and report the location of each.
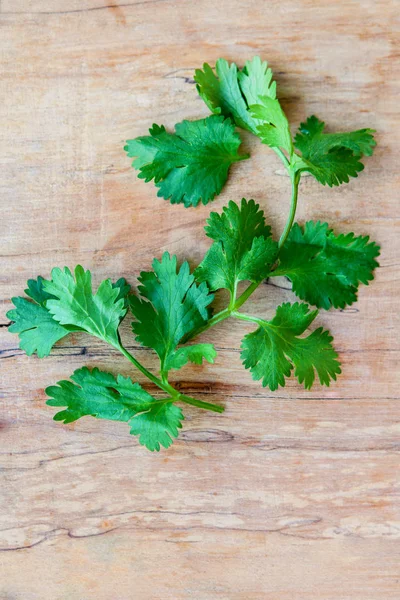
(191, 165)
(275, 347)
(172, 304)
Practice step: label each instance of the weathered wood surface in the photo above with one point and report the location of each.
(288, 495)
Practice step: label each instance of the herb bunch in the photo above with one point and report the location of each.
(173, 305)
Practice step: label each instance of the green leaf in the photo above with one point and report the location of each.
(37, 327)
(273, 128)
(194, 354)
(171, 307)
(332, 158)
(98, 394)
(158, 426)
(230, 91)
(75, 304)
(255, 80)
(243, 247)
(35, 290)
(190, 165)
(274, 349)
(123, 290)
(325, 269)
(38, 331)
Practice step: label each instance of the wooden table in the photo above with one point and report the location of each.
(288, 495)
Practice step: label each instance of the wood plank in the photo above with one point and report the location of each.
(292, 494)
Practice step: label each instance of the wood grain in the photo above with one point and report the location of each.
(288, 495)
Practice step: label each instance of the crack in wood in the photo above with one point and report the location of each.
(292, 529)
(84, 10)
(69, 531)
(67, 456)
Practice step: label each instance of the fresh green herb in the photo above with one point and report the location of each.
(173, 305)
(99, 394)
(271, 351)
(243, 249)
(230, 91)
(332, 157)
(191, 165)
(326, 270)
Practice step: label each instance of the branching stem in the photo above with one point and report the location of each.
(295, 179)
(166, 387)
(248, 318)
(142, 368)
(231, 310)
(234, 306)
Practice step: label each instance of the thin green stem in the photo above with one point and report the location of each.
(250, 318)
(231, 310)
(246, 294)
(241, 157)
(143, 369)
(295, 178)
(227, 312)
(221, 316)
(282, 156)
(233, 296)
(201, 404)
(177, 396)
(166, 387)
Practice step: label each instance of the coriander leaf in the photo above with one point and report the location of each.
(194, 354)
(255, 80)
(98, 394)
(331, 157)
(274, 349)
(75, 304)
(325, 269)
(243, 247)
(38, 331)
(123, 290)
(273, 128)
(158, 426)
(190, 165)
(230, 91)
(36, 291)
(171, 307)
(222, 94)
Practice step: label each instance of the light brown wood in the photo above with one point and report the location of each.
(288, 495)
